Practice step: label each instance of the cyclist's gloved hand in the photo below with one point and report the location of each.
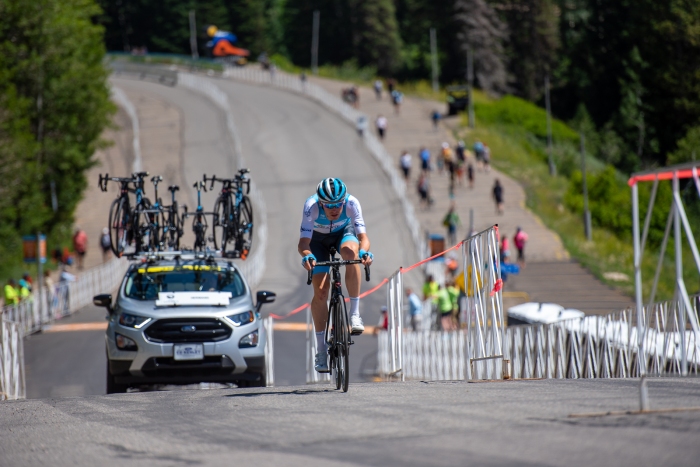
(307, 258)
(369, 254)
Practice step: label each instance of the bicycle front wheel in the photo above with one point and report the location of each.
(222, 224)
(342, 347)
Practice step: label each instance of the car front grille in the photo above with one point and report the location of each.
(188, 330)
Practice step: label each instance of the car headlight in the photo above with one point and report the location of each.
(241, 318)
(250, 340)
(133, 321)
(124, 343)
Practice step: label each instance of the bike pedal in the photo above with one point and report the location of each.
(352, 342)
(356, 333)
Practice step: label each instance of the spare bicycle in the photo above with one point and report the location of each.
(234, 221)
(337, 325)
(124, 225)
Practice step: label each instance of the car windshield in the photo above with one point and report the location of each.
(144, 283)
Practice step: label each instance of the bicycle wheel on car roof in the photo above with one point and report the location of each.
(244, 223)
(119, 226)
(223, 223)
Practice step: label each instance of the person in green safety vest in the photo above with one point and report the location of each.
(11, 293)
(445, 307)
(453, 292)
(24, 290)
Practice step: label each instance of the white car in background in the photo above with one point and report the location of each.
(540, 313)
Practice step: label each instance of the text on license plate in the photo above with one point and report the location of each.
(188, 351)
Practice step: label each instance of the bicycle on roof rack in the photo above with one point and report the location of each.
(337, 325)
(200, 224)
(233, 224)
(172, 222)
(125, 220)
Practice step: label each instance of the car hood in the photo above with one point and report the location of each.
(148, 308)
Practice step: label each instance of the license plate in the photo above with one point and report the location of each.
(188, 351)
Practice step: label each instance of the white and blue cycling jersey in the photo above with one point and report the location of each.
(315, 220)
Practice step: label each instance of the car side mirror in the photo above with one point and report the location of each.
(264, 296)
(103, 300)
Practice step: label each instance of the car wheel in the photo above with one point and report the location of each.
(260, 382)
(112, 387)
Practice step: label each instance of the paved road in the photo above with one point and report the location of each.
(413, 424)
(289, 144)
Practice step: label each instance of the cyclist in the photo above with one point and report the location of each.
(333, 218)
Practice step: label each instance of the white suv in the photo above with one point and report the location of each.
(181, 320)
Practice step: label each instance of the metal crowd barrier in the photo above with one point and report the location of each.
(144, 71)
(11, 360)
(268, 323)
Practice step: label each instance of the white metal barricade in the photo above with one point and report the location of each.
(269, 324)
(12, 385)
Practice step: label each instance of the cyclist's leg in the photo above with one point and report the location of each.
(320, 282)
(349, 248)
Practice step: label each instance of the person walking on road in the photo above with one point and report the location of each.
(381, 124)
(435, 117)
(470, 175)
(519, 241)
(451, 222)
(397, 99)
(378, 89)
(497, 193)
(80, 243)
(424, 190)
(479, 153)
(405, 162)
(424, 155)
(486, 157)
(415, 309)
(505, 249)
(361, 125)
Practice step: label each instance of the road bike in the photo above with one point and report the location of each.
(123, 223)
(234, 221)
(199, 223)
(337, 325)
(172, 225)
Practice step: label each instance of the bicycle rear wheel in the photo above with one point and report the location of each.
(174, 227)
(342, 334)
(244, 226)
(223, 223)
(118, 226)
(199, 227)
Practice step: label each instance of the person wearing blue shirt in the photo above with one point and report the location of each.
(415, 309)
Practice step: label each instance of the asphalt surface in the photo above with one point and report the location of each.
(441, 424)
(290, 144)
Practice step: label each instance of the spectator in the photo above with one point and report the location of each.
(63, 279)
(383, 324)
(430, 292)
(444, 304)
(405, 162)
(460, 151)
(378, 89)
(447, 155)
(479, 153)
(397, 99)
(470, 175)
(453, 293)
(424, 190)
(435, 117)
(302, 78)
(105, 244)
(381, 124)
(11, 293)
(391, 85)
(415, 309)
(424, 155)
(498, 196)
(28, 279)
(24, 290)
(486, 157)
(80, 243)
(50, 288)
(361, 125)
(519, 241)
(505, 249)
(451, 222)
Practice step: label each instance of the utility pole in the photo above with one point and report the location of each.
(470, 85)
(586, 212)
(552, 168)
(193, 35)
(433, 54)
(314, 42)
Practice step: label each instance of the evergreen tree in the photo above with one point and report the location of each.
(375, 35)
(480, 28)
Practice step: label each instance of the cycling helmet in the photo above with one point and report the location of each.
(331, 190)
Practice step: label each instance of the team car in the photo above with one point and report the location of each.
(184, 319)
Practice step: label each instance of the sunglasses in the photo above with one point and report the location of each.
(334, 205)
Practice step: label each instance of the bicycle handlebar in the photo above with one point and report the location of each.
(337, 263)
(200, 186)
(233, 181)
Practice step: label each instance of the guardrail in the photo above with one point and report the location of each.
(11, 360)
(143, 71)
